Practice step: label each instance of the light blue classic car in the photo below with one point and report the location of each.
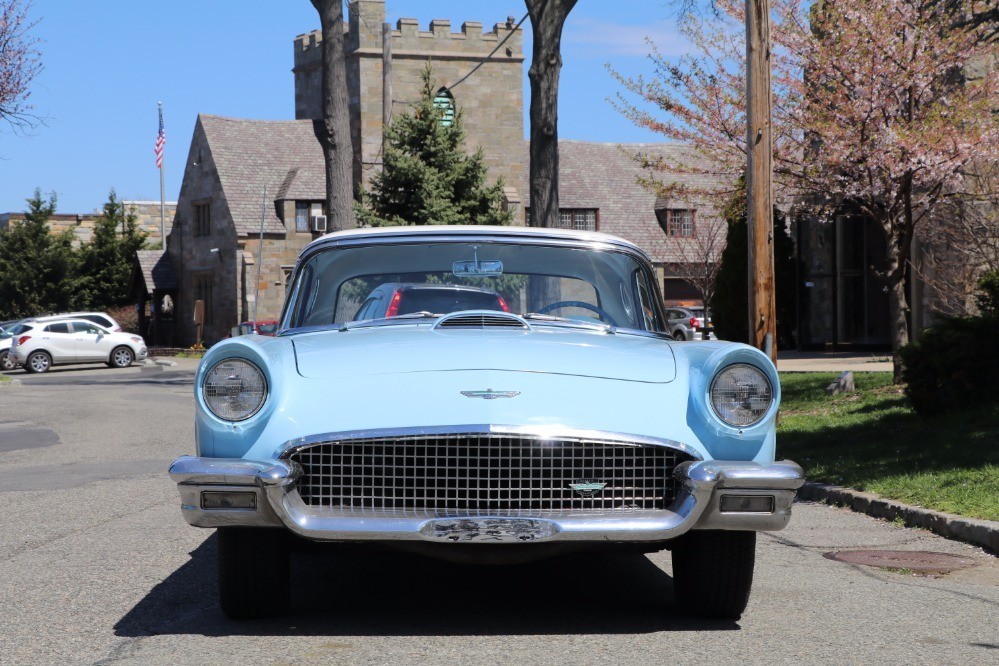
(564, 419)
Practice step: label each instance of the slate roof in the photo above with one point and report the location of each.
(283, 155)
(604, 176)
(157, 270)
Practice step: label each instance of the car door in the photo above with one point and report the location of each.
(58, 340)
(93, 343)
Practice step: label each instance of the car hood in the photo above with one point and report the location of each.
(403, 348)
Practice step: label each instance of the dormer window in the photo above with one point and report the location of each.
(676, 222)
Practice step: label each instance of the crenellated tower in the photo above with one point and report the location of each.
(491, 99)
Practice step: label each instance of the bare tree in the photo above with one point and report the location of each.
(20, 63)
(696, 259)
(335, 135)
(547, 19)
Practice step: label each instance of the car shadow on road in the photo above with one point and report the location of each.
(385, 593)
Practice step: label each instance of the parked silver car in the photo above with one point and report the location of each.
(688, 324)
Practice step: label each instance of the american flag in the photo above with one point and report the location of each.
(160, 142)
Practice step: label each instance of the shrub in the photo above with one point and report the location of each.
(955, 364)
(127, 318)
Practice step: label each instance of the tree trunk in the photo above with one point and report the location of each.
(547, 19)
(335, 133)
(897, 308)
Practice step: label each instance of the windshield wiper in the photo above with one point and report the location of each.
(555, 319)
(422, 314)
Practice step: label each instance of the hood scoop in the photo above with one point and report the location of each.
(474, 319)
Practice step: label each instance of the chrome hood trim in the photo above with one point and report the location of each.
(541, 432)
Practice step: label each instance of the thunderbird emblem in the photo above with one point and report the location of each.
(490, 394)
(587, 487)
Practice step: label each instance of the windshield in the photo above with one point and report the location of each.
(546, 283)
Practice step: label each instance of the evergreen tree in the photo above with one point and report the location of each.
(427, 177)
(730, 314)
(107, 261)
(38, 271)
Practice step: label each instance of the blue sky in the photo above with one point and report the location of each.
(108, 62)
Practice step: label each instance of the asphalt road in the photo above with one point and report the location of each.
(98, 567)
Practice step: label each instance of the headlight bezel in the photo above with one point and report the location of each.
(761, 415)
(247, 414)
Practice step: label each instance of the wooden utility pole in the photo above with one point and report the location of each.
(759, 172)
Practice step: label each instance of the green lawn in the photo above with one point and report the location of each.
(872, 440)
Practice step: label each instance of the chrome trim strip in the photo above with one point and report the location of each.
(547, 432)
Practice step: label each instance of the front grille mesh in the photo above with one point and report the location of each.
(486, 474)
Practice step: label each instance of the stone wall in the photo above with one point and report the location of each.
(82, 225)
(491, 100)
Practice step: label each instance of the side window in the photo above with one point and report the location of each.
(648, 307)
(57, 328)
(89, 329)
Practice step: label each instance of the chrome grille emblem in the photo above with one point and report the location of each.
(490, 394)
(587, 487)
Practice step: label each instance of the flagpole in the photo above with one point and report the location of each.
(162, 191)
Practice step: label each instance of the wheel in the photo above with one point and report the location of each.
(713, 572)
(38, 361)
(579, 304)
(5, 361)
(121, 357)
(679, 336)
(253, 572)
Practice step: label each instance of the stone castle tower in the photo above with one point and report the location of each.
(491, 99)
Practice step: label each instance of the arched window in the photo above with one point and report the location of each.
(444, 101)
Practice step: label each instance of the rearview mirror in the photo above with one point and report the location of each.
(477, 268)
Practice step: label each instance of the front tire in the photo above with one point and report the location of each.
(38, 361)
(121, 357)
(713, 572)
(254, 572)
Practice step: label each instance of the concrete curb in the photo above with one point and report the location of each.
(984, 533)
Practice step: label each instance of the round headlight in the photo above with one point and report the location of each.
(234, 389)
(741, 395)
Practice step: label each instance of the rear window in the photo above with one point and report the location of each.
(97, 319)
(446, 300)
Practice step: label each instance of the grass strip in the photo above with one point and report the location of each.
(872, 440)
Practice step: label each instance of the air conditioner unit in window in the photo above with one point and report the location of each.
(319, 223)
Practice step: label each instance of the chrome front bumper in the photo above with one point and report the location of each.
(699, 505)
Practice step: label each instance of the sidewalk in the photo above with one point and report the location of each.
(795, 361)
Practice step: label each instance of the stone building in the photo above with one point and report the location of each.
(217, 243)
(147, 215)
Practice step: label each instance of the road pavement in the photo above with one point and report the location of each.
(98, 567)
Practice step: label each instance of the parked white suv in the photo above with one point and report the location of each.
(102, 319)
(52, 341)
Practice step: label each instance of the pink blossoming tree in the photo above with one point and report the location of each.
(881, 105)
(19, 64)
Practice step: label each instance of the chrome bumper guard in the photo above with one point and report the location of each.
(716, 495)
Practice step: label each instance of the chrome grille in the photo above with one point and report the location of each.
(481, 474)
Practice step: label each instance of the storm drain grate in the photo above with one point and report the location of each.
(912, 560)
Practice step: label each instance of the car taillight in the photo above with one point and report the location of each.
(24, 338)
(693, 322)
(502, 304)
(393, 308)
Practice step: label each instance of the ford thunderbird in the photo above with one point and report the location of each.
(541, 408)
